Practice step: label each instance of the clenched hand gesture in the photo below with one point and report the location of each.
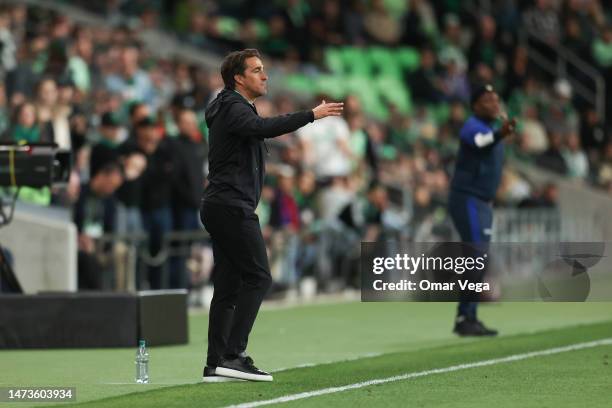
(508, 127)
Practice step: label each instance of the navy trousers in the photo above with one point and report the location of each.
(473, 218)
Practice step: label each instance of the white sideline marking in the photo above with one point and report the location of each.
(502, 360)
(344, 360)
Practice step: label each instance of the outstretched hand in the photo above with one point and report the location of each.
(328, 109)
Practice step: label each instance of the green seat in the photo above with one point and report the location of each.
(300, 83)
(334, 60)
(383, 62)
(408, 58)
(228, 27)
(394, 92)
(331, 85)
(396, 7)
(373, 74)
(440, 112)
(356, 62)
(261, 29)
(357, 84)
(368, 95)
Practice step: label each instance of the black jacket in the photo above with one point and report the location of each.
(130, 192)
(90, 208)
(189, 183)
(236, 158)
(158, 177)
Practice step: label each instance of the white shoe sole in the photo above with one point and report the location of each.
(228, 372)
(219, 379)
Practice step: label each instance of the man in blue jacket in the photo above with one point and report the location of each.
(241, 274)
(476, 179)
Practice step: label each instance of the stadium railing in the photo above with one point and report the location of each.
(584, 211)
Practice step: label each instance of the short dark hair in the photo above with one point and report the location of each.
(234, 64)
(108, 167)
(134, 106)
(145, 123)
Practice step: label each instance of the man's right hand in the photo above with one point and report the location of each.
(508, 127)
(328, 109)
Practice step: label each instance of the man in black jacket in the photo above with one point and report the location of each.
(187, 189)
(156, 194)
(241, 275)
(94, 215)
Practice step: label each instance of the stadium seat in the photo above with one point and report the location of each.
(408, 58)
(334, 60)
(356, 61)
(228, 27)
(299, 83)
(383, 62)
(394, 91)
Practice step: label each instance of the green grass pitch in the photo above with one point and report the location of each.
(333, 345)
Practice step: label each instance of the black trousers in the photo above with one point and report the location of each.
(241, 278)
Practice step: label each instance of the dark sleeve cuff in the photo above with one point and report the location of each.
(497, 136)
(311, 116)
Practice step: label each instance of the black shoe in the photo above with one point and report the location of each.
(241, 368)
(472, 327)
(210, 376)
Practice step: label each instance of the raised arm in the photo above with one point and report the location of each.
(481, 138)
(247, 123)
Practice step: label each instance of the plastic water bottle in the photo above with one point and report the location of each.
(142, 364)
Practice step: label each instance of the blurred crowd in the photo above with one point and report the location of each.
(135, 124)
(459, 46)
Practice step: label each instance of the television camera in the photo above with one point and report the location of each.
(26, 165)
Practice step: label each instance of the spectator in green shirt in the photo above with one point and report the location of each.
(602, 49)
(25, 128)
